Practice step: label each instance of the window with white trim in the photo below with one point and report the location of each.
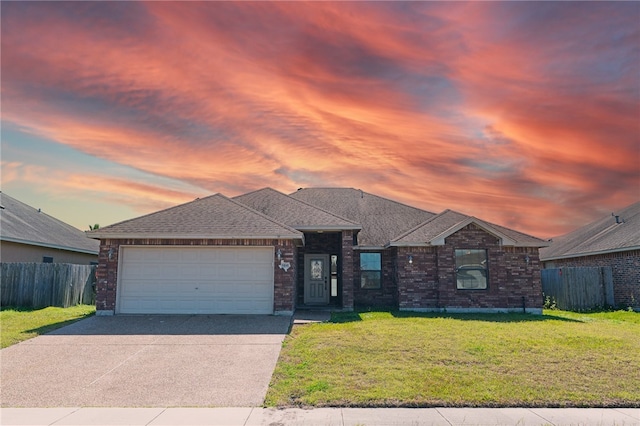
(471, 269)
(370, 270)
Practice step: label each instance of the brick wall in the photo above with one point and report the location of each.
(430, 281)
(107, 271)
(626, 273)
(418, 280)
(387, 294)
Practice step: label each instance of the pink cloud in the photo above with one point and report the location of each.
(489, 108)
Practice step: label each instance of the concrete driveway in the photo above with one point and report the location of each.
(146, 361)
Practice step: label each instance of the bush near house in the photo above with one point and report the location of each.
(382, 359)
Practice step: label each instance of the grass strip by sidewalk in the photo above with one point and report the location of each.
(383, 359)
(18, 324)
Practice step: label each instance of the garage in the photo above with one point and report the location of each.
(195, 280)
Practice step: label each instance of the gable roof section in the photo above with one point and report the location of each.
(212, 217)
(294, 213)
(21, 223)
(434, 231)
(601, 236)
(381, 219)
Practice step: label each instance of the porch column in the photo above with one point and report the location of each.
(347, 270)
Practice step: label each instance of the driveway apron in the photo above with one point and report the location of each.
(146, 361)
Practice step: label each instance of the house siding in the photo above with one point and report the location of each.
(430, 281)
(625, 266)
(18, 252)
(107, 271)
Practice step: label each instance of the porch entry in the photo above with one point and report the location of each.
(317, 271)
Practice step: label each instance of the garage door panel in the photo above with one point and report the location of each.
(196, 280)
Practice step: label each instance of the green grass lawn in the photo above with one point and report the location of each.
(18, 324)
(381, 359)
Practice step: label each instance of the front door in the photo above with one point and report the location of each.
(316, 279)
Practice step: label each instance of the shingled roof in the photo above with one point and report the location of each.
(21, 223)
(381, 219)
(601, 236)
(215, 216)
(436, 229)
(294, 213)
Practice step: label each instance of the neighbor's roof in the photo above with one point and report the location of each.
(23, 224)
(602, 236)
(436, 229)
(215, 216)
(381, 219)
(294, 213)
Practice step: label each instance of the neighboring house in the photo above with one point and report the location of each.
(613, 240)
(29, 235)
(266, 252)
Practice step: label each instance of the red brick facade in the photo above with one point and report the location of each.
(625, 266)
(107, 271)
(429, 281)
(413, 278)
(387, 294)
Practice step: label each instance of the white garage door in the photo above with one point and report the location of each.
(196, 280)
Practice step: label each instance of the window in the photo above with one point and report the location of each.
(334, 275)
(47, 259)
(471, 269)
(370, 270)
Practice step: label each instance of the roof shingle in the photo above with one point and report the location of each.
(449, 222)
(381, 219)
(292, 212)
(601, 236)
(23, 224)
(215, 216)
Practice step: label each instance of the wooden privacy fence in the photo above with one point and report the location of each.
(37, 285)
(580, 288)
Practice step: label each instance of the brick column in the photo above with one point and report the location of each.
(347, 270)
(107, 277)
(284, 283)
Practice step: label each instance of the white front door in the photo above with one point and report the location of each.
(316, 279)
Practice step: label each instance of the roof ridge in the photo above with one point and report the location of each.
(302, 202)
(39, 211)
(321, 209)
(155, 213)
(369, 194)
(422, 224)
(260, 214)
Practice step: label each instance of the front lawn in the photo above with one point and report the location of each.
(18, 324)
(382, 359)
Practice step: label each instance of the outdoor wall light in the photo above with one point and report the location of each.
(527, 259)
(410, 259)
(279, 254)
(111, 253)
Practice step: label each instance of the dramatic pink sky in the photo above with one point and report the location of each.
(525, 114)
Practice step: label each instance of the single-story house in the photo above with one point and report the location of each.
(266, 252)
(613, 240)
(30, 235)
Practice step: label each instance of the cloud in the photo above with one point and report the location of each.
(508, 111)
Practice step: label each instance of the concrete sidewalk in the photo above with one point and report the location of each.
(322, 416)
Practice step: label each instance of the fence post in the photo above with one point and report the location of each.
(607, 278)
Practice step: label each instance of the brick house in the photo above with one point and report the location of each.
(268, 252)
(613, 240)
